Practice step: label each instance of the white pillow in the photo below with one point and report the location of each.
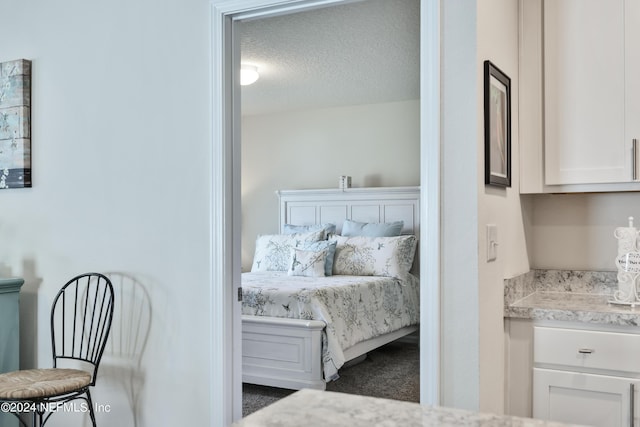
(328, 228)
(273, 251)
(330, 247)
(307, 263)
(374, 256)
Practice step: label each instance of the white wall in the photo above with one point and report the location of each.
(473, 331)
(121, 183)
(460, 336)
(498, 42)
(575, 231)
(378, 145)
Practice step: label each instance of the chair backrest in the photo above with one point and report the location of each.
(81, 317)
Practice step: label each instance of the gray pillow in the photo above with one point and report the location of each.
(371, 229)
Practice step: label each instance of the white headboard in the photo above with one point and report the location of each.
(374, 204)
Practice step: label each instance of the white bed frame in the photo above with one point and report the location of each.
(287, 353)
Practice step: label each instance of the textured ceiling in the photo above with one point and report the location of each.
(358, 53)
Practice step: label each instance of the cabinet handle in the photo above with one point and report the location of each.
(632, 399)
(634, 159)
(585, 350)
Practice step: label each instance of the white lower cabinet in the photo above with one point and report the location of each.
(586, 377)
(585, 399)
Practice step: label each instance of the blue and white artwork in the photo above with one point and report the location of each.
(15, 124)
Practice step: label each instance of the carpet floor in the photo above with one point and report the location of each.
(390, 372)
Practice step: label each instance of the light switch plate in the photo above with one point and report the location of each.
(492, 242)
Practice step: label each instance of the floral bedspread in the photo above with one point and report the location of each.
(355, 308)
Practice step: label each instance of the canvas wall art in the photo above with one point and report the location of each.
(15, 124)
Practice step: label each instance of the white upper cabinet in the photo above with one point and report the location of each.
(632, 79)
(584, 77)
(582, 57)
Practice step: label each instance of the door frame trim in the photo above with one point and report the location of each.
(225, 365)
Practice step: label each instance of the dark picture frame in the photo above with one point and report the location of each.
(497, 126)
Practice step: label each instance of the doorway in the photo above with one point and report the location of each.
(226, 366)
(328, 101)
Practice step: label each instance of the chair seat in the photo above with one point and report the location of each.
(41, 383)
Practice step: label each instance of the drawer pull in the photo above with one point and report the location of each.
(585, 350)
(634, 159)
(632, 401)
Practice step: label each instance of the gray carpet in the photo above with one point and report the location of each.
(391, 372)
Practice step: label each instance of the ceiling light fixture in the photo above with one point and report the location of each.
(248, 74)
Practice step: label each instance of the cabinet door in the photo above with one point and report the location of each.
(632, 77)
(584, 92)
(9, 341)
(586, 399)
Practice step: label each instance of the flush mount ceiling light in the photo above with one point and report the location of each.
(248, 74)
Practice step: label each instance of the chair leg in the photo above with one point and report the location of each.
(91, 414)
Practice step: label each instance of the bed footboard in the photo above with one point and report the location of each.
(287, 353)
(284, 353)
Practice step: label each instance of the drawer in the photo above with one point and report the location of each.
(586, 349)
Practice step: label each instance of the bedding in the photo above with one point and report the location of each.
(273, 251)
(354, 308)
(374, 256)
(308, 263)
(293, 228)
(324, 245)
(371, 229)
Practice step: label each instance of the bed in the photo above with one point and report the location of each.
(298, 331)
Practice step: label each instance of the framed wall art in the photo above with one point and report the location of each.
(497, 126)
(15, 124)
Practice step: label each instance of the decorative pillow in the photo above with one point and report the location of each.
(374, 256)
(328, 228)
(307, 263)
(273, 251)
(371, 229)
(330, 247)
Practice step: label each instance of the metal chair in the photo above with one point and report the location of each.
(81, 317)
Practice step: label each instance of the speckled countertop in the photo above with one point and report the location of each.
(591, 308)
(313, 408)
(576, 296)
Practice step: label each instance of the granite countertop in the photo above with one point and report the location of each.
(577, 296)
(313, 408)
(567, 306)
